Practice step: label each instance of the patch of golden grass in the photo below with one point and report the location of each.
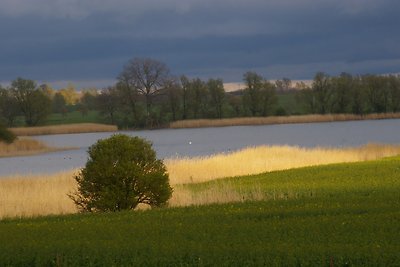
(23, 147)
(268, 158)
(24, 196)
(279, 120)
(64, 129)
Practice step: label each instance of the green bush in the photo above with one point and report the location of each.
(6, 135)
(121, 172)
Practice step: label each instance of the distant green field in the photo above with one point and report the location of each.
(290, 104)
(74, 117)
(342, 214)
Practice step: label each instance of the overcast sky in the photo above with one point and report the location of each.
(88, 41)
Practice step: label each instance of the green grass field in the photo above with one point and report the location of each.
(341, 214)
(290, 104)
(74, 117)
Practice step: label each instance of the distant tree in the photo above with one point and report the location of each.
(174, 93)
(283, 85)
(59, 103)
(70, 94)
(394, 87)
(47, 90)
(34, 105)
(358, 96)
(9, 109)
(321, 89)
(341, 92)
(108, 103)
(185, 96)
(217, 95)
(146, 76)
(252, 93)
(377, 91)
(268, 98)
(198, 96)
(88, 98)
(121, 173)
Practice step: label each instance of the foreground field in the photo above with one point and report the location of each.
(279, 120)
(32, 195)
(340, 215)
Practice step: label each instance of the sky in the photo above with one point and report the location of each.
(87, 42)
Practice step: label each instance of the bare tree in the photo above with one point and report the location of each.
(145, 76)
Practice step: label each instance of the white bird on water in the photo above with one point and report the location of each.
(190, 142)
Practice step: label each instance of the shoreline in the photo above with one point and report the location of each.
(273, 120)
(64, 129)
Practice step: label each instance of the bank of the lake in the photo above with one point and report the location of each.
(271, 120)
(64, 129)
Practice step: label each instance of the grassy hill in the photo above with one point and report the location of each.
(341, 214)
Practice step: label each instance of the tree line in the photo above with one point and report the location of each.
(147, 95)
(360, 94)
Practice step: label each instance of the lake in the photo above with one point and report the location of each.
(207, 141)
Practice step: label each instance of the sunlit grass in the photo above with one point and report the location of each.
(279, 120)
(33, 195)
(260, 159)
(64, 129)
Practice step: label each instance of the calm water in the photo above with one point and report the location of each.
(206, 141)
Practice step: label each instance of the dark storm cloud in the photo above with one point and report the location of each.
(91, 40)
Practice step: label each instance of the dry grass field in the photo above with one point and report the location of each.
(260, 159)
(64, 129)
(23, 147)
(33, 195)
(279, 120)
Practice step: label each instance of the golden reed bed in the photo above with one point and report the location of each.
(64, 129)
(279, 120)
(23, 147)
(34, 195)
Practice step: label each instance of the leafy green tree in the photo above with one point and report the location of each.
(341, 95)
(358, 97)
(252, 99)
(377, 91)
(34, 105)
(217, 96)
(198, 97)
(121, 172)
(321, 89)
